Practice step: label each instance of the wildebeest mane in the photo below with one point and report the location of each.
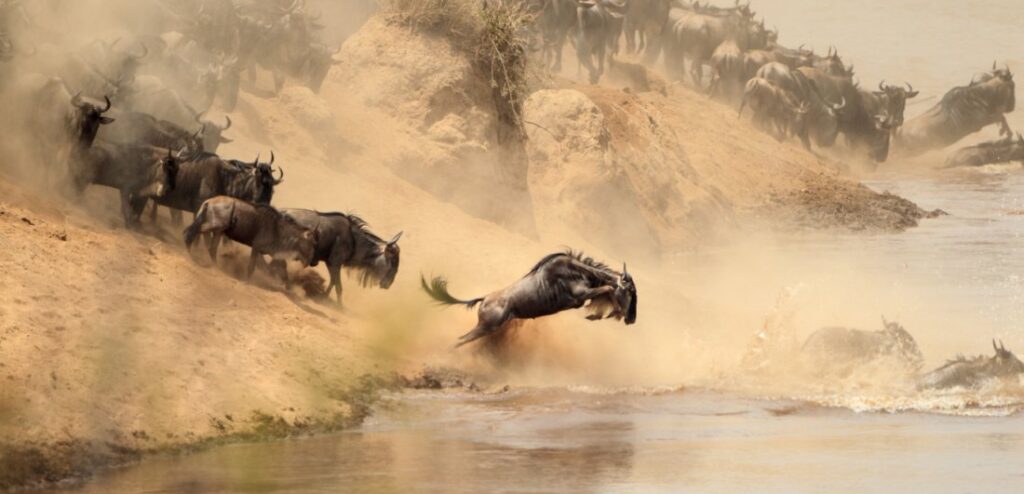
(577, 255)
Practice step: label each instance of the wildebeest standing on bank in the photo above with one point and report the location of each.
(970, 373)
(207, 175)
(139, 173)
(345, 240)
(559, 282)
(643, 25)
(263, 228)
(556, 19)
(599, 24)
(1007, 149)
(962, 111)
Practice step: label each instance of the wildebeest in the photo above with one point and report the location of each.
(962, 111)
(139, 173)
(345, 241)
(643, 25)
(890, 100)
(865, 125)
(599, 24)
(142, 128)
(58, 126)
(559, 282)
(973, 372)
(261, 227)
(839, 350)
(1010, 148)
(818, 118)
(775, 110)
(213, 133)
(693, 32)
(206, 176)
(556, 19)
(727, 64)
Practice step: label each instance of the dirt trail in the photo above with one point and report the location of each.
(114, 343)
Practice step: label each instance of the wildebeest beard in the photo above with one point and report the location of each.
(371, 264)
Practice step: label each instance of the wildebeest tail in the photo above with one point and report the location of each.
(192, 231)
(438, 290)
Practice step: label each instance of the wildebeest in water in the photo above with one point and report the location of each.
(345, 240)
(559, 282)
(972, 372)
(837, 350)
(1009, 148)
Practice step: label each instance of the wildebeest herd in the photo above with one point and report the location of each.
(790, 92)
(132, 113)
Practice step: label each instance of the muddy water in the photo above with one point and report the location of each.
(574, 441)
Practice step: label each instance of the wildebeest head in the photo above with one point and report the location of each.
(895, 98)
(1005, 364)
(319, 63)
(298, 240)
(387, 261)
(166, 172)
(833, 65)
(625, 295)
(213, 133)
(903, 344)
(87, 119)
(263, 176)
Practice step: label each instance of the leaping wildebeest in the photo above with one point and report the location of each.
(559, 282)
(962, 111)
(345, 240)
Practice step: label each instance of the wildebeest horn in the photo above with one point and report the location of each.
(280, 176)
(624, 270)
(394, 240)
(257, 161)
(106, 108)
(881, 85)
(841, 105)
(994, 347)
(993, 69)
(76, 100)
(271, 157)
(228, 126)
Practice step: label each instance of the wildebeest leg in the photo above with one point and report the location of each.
(213, 245)
(279, 79)
(1004, 130)
(126, 209)
(335, 271)
(492, 318)
(253, 259)
(282, 268)
(175, 216)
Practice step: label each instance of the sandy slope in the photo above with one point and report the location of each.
(118, 342)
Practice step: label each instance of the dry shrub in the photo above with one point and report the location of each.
(501, 55)
(456, 18)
